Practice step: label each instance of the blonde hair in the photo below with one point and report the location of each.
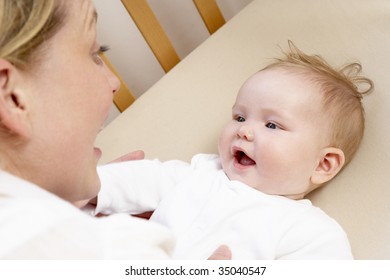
(342, 90)
(24, 26)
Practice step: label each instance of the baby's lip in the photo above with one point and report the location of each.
(242, 158)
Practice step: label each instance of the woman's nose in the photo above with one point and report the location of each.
(246, 133)
(113, 80)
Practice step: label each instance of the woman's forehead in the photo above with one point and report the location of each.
(80, 13)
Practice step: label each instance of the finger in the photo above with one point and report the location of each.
(81, 203)
(222, 253)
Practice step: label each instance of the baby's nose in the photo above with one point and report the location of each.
(246, 133)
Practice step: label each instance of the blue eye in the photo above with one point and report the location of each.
(240, 119)
(271, 125)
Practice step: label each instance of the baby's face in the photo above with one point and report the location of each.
(277, 131)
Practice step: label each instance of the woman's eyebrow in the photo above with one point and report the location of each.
(91, 14)
(93, 19)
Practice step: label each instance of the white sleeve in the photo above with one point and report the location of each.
(137, 186)
(320, 238)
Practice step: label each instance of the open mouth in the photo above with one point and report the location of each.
(243, 159)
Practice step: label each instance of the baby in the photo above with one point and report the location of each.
(295, 125)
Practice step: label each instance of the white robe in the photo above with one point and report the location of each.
(35, 224)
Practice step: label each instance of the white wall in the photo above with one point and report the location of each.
(130, 54)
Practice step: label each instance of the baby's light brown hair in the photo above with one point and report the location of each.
(343, 90)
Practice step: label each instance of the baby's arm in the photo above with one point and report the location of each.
(136, 186)
(315, 237)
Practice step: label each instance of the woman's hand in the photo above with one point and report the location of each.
(222, 253)
(136, 155)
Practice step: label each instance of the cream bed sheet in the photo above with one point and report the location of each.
(183, 113)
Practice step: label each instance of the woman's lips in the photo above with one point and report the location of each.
(97, 152)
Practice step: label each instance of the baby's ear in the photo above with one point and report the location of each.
(329, 165)
(13, 113)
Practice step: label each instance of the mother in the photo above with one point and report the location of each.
(55, 94)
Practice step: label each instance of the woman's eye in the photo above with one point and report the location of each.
(98, 60)
(97, 56)
(103, 49)
(271, 125)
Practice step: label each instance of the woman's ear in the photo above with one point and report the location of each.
(13, 110)
(330, 163)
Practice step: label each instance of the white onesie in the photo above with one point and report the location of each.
(204, 209)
